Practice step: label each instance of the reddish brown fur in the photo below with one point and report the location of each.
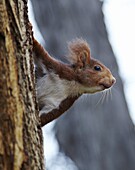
(81, 69)
(65, 105)
(63, 70)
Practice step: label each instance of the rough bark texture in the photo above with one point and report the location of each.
(20, 137)
(95, 137)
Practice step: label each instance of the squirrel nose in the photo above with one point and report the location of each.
(113, 80)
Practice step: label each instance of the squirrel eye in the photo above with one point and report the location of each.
(97, 68)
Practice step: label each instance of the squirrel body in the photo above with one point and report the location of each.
(59, 84)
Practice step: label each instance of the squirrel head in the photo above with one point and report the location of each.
(92, 74)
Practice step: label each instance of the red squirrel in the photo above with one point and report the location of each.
(59, 84)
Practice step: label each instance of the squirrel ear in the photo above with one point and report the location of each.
(83, 59)
(79, 53)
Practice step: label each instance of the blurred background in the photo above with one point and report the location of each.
(98, 132)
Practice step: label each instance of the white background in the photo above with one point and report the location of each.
(120, 21)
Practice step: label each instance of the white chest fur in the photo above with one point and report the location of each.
(51, 91)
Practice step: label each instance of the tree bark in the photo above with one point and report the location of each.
(20, 132)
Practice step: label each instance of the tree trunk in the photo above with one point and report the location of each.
(95, 136)
(20, 132)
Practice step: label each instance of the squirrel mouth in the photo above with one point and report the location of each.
(105, 86)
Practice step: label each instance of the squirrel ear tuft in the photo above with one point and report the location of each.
(79, 52)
